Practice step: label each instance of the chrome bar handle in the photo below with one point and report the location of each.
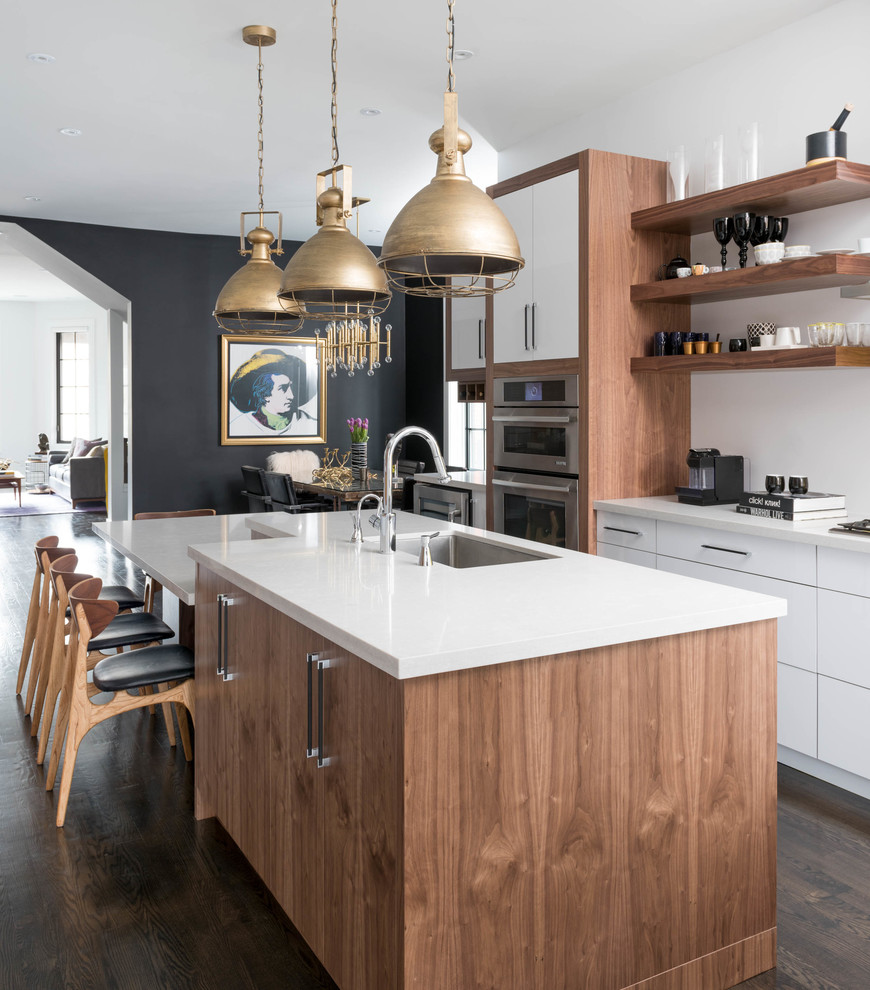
(526, 320)
(534, 326)
(221, 661)
(322, 761)
(311, 660)
(742, 553)
(224, 602)
(480, 339)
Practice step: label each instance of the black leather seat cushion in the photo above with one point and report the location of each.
(129, 630)
(125, 597)
(138, 668)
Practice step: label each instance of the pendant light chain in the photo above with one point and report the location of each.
(334, 83)
(451, 78)
(260, 120)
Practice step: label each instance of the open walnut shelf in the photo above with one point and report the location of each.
(797, 275)
(759, 359)
(809, 188)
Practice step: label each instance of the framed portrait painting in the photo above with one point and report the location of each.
(273, 390)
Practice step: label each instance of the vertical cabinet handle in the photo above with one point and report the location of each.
(311, 661)
(526, 322)
(480, 339)
(322, 761)
(223, 603)
(534, 326)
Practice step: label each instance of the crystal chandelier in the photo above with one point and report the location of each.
(450, 239)
(248, 303)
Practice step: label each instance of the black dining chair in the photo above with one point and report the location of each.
(282, 493)
(255, 489)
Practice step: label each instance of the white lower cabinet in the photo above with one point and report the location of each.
(844, 637)
(796, 704)
(844, 726)
(626, 554)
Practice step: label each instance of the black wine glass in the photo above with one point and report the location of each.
(743, 224)
(723, 231)
(762, 230)
(780, 228)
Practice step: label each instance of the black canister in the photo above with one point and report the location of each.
(825, 145)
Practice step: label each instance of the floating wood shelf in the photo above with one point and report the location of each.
(808, 188)
(758, 359)
(798, 275)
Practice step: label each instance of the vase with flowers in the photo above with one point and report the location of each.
(359, 439)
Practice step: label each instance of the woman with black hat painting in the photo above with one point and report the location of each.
(270, 390)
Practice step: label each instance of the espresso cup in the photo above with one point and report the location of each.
(774, 483)
(766, 340)
(737, 344)
(714, 268)
(798, 484)
(797, 251)
(700, 269)
(684, 272)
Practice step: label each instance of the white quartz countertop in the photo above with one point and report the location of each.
(159, 546)
(475, 480)
(726, 518)
(412, 621)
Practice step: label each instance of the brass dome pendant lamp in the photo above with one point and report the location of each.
(248, 303)
(334, 276)
(450, 239)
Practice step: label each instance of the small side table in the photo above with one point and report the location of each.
(36, 475)
(12, 481)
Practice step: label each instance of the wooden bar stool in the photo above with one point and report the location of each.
(163, 665)
(46, 543)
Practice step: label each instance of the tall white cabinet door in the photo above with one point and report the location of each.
(468, 332)
(556, 254)
(512, 307)
(796, 708)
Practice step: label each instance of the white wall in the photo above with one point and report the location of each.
(27, 372)
(795, 422)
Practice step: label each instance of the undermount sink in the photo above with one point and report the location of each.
(459, 550)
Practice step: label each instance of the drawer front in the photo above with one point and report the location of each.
(796, 632)
(627, 555)
(844, 637)
(796, 699)
(739, 551)
(844, 726)
(636, 532)
(844, 570)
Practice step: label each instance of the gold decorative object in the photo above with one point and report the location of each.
(450, 239)
(334, 276)
(334, 472)
(353, 344)
(248, 303)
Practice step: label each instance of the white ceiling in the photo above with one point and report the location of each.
(165, 95)
(22, 280)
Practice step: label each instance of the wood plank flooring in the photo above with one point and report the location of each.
(134, 893)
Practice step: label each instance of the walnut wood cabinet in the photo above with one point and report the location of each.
(603, 818)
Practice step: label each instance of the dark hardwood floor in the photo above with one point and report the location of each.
(134, 893)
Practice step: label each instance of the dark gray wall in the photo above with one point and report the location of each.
(172, 281)
(424, 372)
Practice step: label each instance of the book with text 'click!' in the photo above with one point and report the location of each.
(810, 502)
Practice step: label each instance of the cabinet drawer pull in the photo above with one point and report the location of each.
(322, 761)
(311, 660)
(616, 529)
(534, 326)
(526, 321)
(480, 338)
(223, 603)
(741, 553)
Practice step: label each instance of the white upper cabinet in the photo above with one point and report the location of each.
(468, 332)
(538, 317)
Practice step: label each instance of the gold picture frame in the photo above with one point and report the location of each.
(273, 390)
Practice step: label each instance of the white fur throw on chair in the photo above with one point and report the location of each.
(297, 463)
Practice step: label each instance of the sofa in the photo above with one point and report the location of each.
(80, 479)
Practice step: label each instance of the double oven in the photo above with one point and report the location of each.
(536, 432)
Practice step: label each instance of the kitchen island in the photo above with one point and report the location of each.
(556, 773)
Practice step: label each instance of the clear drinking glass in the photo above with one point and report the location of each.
(678, 173)
(839, 331)
(714, 163)
(853, 334)
(747, 153)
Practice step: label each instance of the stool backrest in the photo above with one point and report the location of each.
(89, 612)
(175, 515)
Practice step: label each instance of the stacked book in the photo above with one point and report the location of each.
(792, 508)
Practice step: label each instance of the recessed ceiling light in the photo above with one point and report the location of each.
(463, 53)
(70, 132)
(32, 199)
(40, 57)
(370, 111)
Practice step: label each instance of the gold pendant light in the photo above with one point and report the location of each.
(248, 303)
(451, 239)
(334, 276)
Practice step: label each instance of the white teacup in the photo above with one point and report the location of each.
(769, 254)
(684, 272)
(798, 251)
(787, 335)
(766, 340)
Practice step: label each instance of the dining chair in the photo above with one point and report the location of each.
(175, 515)
(284, 497)
(255, 489)
(171, 667)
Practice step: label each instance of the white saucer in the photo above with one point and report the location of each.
(837, 251)
(799, 257)
(776, 347)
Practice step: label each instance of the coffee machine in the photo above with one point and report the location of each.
(713, 477)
